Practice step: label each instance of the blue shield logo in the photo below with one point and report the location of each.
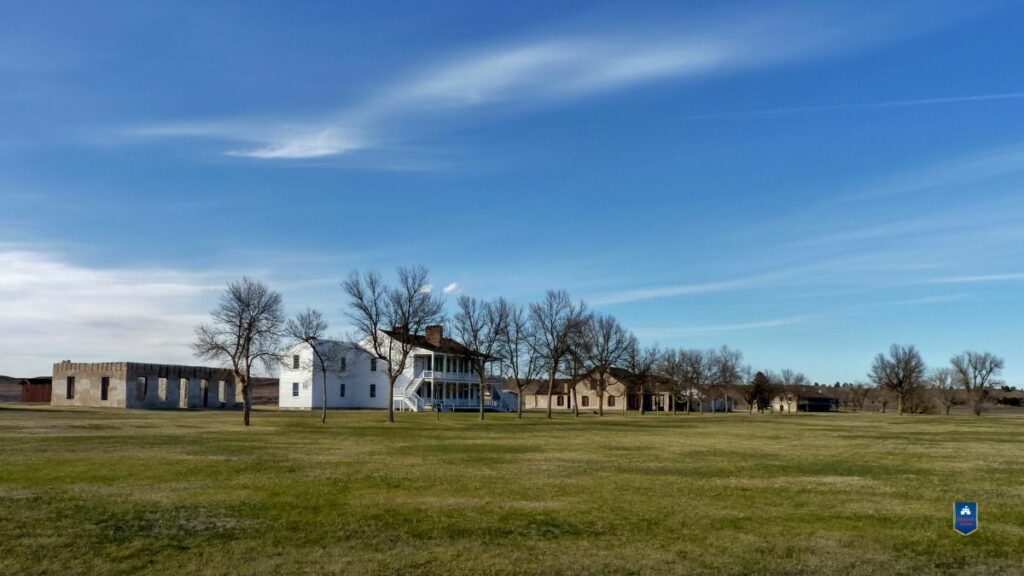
(965, 517)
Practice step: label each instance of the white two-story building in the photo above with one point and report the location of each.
(438, 376)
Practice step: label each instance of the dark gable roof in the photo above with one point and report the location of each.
(815, 393)
(539, 387)
(448, 346)
(631, 380)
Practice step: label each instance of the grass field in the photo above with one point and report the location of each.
(98, 492)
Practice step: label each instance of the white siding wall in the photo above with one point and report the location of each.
(303, 375)
(357, 378)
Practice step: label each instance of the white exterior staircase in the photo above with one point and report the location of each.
(407, 400)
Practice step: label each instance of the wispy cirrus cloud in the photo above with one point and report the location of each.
(264, 140)
(955, 172)
(980, 278)
(905, 103)
(519, 75)
(524, 74)
(625, 296)
(709, 329)
(914, 241)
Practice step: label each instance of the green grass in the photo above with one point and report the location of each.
(98, 492)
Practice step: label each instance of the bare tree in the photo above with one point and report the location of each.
(902, 372)
(788, 382)
(976, 372)
(388, 318)
(698, 368)
(606, 343)
(947, 388)
(854, 395)
(520, 360)
(729, 372)
(245, 330)
(641, 362)
(480, 326)
(860, 392)
(574, 369)
(884, 397)
(310, 327)
(671, 368)
(555, 321)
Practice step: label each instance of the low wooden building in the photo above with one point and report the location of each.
(36, 389)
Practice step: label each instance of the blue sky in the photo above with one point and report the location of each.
(807, 182)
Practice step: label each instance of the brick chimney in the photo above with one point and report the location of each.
(435, 335)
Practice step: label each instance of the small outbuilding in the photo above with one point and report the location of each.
(36, 389)
(806, 399)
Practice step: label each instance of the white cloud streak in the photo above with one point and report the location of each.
(910, 103)
(541, 71)
(451, 288)
(983, 278)
(685, 332)
(625, 296)
(960, 171)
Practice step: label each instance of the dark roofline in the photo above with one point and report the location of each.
(814, 392)
(448, 346)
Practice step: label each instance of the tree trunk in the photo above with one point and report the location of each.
(481, 394)
(899, 400)
(391, 398)
(641, 401)
(323, 414)
(575, 403)
(519, 404)
(551, 386)
(600, 401)
(241, 380)
(948, 406)
(246, 401)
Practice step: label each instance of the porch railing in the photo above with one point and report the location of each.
(469, 377)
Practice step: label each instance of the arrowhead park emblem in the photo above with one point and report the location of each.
(965, 517)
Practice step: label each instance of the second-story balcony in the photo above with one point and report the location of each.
(440, 376)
